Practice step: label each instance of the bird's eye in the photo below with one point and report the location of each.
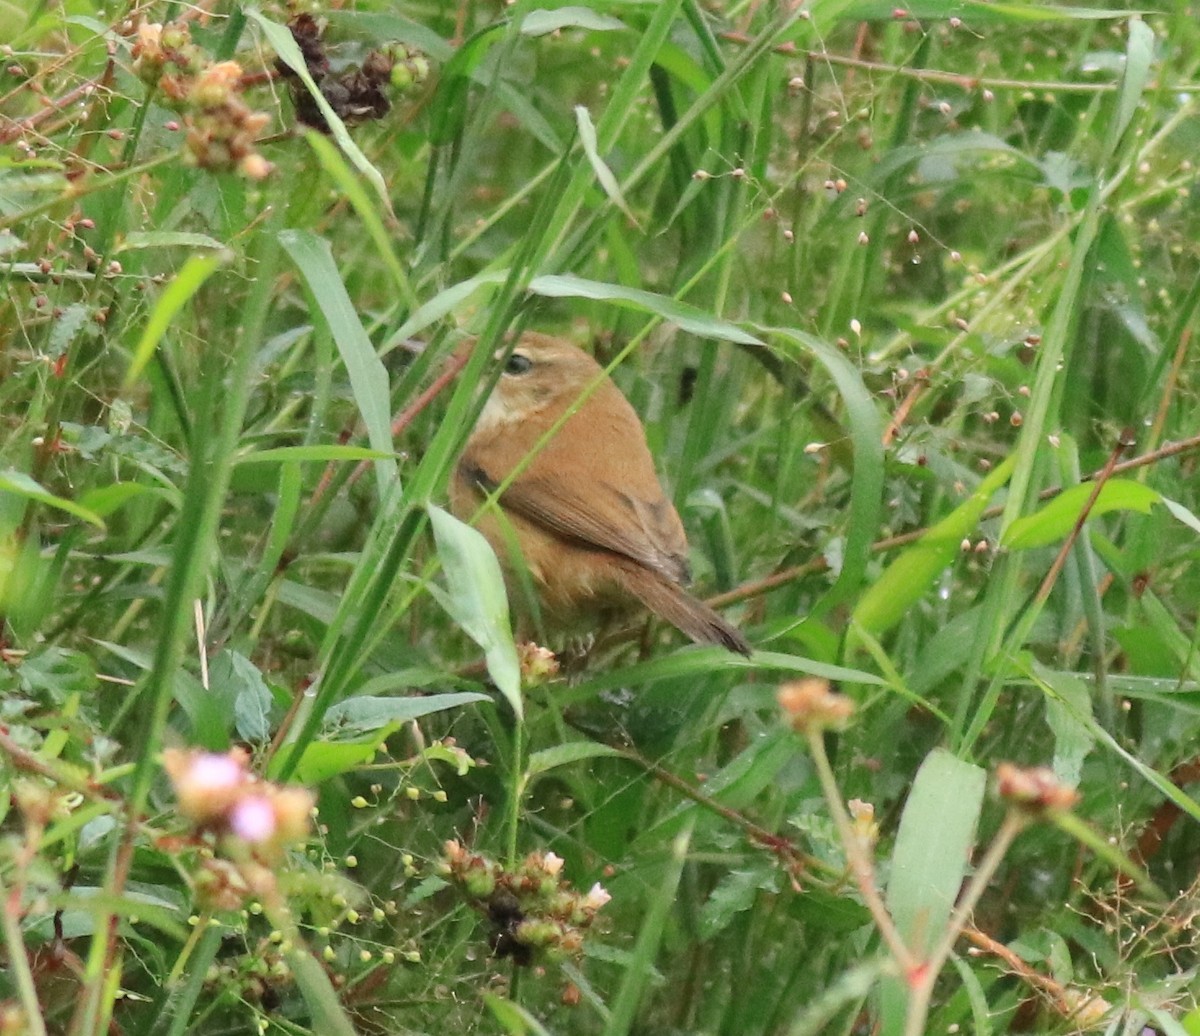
(517, 363)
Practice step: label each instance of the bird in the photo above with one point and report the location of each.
(596, 533)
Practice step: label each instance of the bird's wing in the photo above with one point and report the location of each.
(652, 535)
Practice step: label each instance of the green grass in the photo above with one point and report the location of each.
(901, 296)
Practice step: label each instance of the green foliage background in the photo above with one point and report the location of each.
(887, 286)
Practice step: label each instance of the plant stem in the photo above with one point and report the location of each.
(861, 865)
(922, 988)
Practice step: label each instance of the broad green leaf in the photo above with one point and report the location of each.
(561, 755)
(194, 272)
(513, 1019)
(539, 23)
(240, 680)
(908, 578)
(104, 500)
(323, 760)
(1072, 738)
(20, 484)
(687, 317)
(933, 849)
(365, 713)
(1055, 521)
(476, 599)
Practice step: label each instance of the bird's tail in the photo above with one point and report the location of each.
(686, 613)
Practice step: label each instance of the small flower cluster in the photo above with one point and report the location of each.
(539, 665)
(221, 128)
(219, 793)
(355, 94)
(809, 704)
(1034, 790)
(534, 909)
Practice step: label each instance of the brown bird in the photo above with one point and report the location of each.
(595, 530)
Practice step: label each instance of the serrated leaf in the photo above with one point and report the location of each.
(1072, 738)
(66, 327)
(236, 678)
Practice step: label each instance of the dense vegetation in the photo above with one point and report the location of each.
(905, 298)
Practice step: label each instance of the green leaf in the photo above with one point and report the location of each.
(104, 500)
(933, 847)
(1182, 514)
(366, 713)
(539, 23)
(441, 305)
(191, 276)
(332, 162)
(323, 760)
(562, 755)
(688, 318)
(476, 599)
(328, 452)
(587, 137)
(1139, 56)
(1056, 520)
(1072, 738)
(981, 12)
(236, 678)
(866, 493)
(368, 376)
(20, 484)
(137, 239)
(513, 1018)
(908, 578)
